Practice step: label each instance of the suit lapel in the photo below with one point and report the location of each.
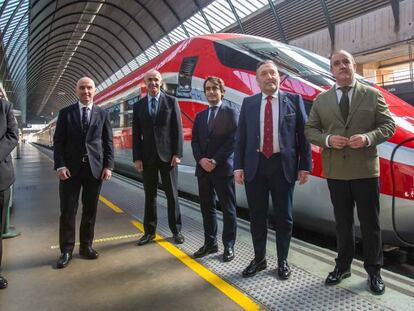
(333, 104)
(283, 102)
(357, 97)
(94, 116)
(76, 117)
(256, 114)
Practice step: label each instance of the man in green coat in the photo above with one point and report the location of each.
(348, 122)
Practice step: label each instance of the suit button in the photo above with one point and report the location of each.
(347, 127)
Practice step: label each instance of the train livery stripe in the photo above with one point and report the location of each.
(226, 288)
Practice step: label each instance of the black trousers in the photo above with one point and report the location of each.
(270, 179)
(69, 191)
(364, 193)
(169, 183)
(223, 186)
(4, 203)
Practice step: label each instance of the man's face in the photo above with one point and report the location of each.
(85, 90)
(343, 68)
(153, 82)
(213, 93)
(268, 78)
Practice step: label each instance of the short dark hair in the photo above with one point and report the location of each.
(265, 61)
(216, 81)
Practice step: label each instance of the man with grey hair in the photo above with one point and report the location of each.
(157, 146)
(84, 157)
(348, 122)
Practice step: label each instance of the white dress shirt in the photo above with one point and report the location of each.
(275, 116)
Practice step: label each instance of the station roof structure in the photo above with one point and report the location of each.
(47, 45)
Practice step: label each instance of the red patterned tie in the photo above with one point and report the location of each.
(268, 129)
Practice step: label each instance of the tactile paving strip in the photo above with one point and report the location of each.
(302, 291)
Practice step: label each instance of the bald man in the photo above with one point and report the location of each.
(84, 157)
(157, 147)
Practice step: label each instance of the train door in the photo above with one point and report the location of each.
(402, 178)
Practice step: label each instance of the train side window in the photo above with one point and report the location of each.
(185, 76)
(234, 59)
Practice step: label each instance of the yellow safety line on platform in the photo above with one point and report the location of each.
(108, 203)
(226, 288)
(111, 238)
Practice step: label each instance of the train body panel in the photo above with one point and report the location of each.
(233, 58)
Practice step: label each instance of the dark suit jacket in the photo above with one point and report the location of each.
(217, 144)
(163, 136)
(9, 136)
(294, 148)
(68, 141)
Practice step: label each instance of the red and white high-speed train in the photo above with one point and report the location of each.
(233, 57)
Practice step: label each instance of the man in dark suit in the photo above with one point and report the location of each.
(213, 139)
(84, 157)
(271, 154)
(157, 148)
(349, 121)
(9, 136)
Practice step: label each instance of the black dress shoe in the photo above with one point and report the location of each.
(63, 260)
(88, 252)
(3, 282)
(255, 266)
(376, 284)
(145, 239)
(228, 254)
(178, 238)
(283, 270)
(336, 276)
(205, 250)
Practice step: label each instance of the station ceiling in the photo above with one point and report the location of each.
(47, 45)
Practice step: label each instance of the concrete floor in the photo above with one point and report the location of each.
(124, 277)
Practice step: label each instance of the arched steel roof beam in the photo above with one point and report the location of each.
(54, 61)
(43, 56)
(176, 16)
(233, 9)
(278, 22)
(155, 19)
(34, 50)
(22, 52)
(91, 24)
(204, 16)
(97, 14)
(17, 8)
(46, 77)
(32, 74)
(331, 27)
(89, 33)
(79, 68)
(3, 7)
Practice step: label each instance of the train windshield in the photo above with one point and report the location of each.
(294, 61)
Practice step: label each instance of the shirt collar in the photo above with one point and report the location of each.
(352, 85)
(87, 106)
(274, 95)
(218, 105)
(157, 97)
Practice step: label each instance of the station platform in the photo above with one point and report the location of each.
(161, 275)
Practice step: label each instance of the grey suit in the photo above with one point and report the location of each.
(9, 135)
(353, 173)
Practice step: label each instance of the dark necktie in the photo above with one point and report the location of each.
(211, 118)
(344, 102)
(268, 129)
(153, 107)
(85, 121)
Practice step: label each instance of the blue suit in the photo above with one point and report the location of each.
(276, 175)
(217, 144)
